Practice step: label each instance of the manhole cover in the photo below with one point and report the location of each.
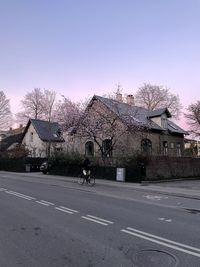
(155, 258)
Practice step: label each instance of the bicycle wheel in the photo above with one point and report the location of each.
(91, 180)
(81, 179)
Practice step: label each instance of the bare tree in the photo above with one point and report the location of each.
(37, 104)
(67, 113)
(193, 117)
(5, 112)
(32, 106)
(48, 108)
(154, 97)
(49, 101)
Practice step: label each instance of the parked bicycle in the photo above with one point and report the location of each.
(86, 177)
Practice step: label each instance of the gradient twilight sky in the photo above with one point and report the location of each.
(83, 47)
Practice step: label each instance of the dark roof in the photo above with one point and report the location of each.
(139, 115)
(174, 128)
(8, 141)
(159, 112)
(47, 131)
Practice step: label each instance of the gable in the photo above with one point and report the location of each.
(46, 131)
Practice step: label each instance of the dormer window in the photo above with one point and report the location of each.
(164, 123)
(59, 132)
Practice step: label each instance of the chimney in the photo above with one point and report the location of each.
(119, 97)
(130, 100)
(21, 126)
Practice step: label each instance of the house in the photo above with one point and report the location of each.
(192, 147)
(115, 129)
(11, 131)
(10, 139)
(42, 138)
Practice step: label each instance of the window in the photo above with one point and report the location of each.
(89, 149)
(59, 149)
(59, 132)
(107, 148)
(31, 137)
(172, 145)
(164, 123)
(146, 146)
(178, 149)
(165, 148)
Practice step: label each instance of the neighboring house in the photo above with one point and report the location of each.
(192, 147)
(10, 139)
(11, 131)
(42, 138)
(137, 130)
(10, 142)
(3, 134)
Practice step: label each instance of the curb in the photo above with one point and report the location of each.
(143, 186)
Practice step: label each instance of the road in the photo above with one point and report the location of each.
(57, 224)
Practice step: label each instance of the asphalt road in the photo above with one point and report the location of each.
(64, 224)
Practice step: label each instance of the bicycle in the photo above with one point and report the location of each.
(86, 177)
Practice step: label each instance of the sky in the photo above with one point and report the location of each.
(84, 47)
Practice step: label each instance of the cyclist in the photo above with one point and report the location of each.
(85, 175)
(86, 167)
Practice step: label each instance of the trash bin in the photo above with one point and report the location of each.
(28, 167)
(120, 174)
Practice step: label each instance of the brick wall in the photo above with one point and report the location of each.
(159, 168)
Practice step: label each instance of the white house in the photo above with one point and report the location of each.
(39, 136)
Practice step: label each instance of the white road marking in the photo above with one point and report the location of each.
(168, 220)
(93, 220)
(64, 210)
(100, 219)
(42, 203)
(47, 202)
(20, 195)
(167, 242)
(2, 189)
(164, 219)
(157, 198)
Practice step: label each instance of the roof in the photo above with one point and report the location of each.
(174, 128)
(47, 131)
(11, 131)
(159, 112)
(9, 141)
(139, 115)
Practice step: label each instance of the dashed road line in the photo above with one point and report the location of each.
(42, 203)
(164, 219)
(2, 189)
(66, 210)
(46, 203)
(153, 197)
(71, 210)
(97, 220)
(163, 241)
(20, 195)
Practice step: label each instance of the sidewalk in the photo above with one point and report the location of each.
(182, 188)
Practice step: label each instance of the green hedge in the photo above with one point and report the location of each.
(19, 164)
(100, 172)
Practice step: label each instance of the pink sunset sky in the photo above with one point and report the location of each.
(81, 48)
